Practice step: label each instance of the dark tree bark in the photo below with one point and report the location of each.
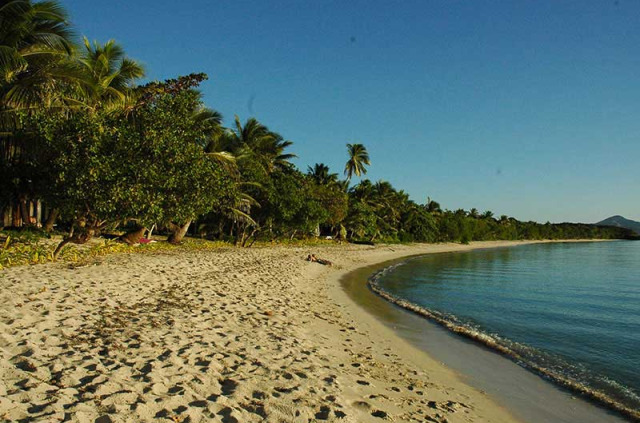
(59, 248)
(51, 219)
(76, 237)
(82, 230)
(134, 236)
(15, 215)
(178, 232)
(252, 235)
(24, 212)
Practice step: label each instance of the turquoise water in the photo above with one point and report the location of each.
(573, 309)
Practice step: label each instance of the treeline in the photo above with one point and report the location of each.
(80, 134)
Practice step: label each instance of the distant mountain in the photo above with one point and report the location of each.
(621, 222)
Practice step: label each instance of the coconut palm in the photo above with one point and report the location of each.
(488, 214)
(320, 173)
(254, 141)
(433, 207)
(211, 120)
(358, 159)
(107, 75)
(276, 148)
(35, 45)
(389, 204)
(104, 79)
(363, 192)
(216, 140)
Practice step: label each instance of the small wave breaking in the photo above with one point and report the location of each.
(514, 351)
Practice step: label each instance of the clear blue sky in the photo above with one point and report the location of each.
(525, 108)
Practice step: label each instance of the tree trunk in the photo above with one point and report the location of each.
(15, 215)
(82, 237)
(51, 219)
(59, 248)
(133, 237)
(178, 232)
(24, 212)
(239, 234)
(252, 235)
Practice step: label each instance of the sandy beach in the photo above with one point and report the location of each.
(230, 335)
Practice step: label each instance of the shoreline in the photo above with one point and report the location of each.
(591, 402)
(598, 398)
(238, 335)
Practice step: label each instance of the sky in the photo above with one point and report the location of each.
(525, 108)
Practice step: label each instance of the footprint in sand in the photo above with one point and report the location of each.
(379, 413)
(228, 386)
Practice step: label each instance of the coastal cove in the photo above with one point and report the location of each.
(342, 212)
(529, 397)
(245, 335)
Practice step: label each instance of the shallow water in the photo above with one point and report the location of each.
(570, 308)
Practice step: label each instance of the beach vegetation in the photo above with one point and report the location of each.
(104, 153)
(358, 161)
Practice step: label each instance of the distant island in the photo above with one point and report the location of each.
(621, 222)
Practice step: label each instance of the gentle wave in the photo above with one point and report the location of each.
(523, 355)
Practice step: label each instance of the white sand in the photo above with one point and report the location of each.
(232, 335)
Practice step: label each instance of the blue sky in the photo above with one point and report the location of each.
(525, 108)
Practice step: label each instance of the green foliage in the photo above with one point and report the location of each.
(292, 205)
(35, 45)
(379, 211)
(177, 180)
(77, 134)
(15, 252)
(361, 221)
(417, 224)
(148, 166)
(358, 160)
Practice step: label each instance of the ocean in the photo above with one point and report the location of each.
(567, 311)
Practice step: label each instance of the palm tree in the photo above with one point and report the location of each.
(280, 159)
(364, 192)
(105, 78)
(211, 119)
(433, 207)
(358, 159)
(107, 75)
(254, 141)
(387, 199)
(35, 69)
(320, 173)
(35, 45)
(216, 141)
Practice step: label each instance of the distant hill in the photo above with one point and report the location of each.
(621, 222)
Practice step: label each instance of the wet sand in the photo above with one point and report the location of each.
(528, 397)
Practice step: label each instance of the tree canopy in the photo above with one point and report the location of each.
(79, 133)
